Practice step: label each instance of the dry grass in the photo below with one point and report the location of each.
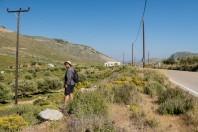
(168, 123)
(120, 115)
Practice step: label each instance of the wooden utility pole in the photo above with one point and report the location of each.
(17, 49)
(132, 55)
(143, 59)
(123, 58)
(148, 57)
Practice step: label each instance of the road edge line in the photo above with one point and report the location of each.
(184, 87)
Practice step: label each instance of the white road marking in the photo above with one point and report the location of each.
(184, 87)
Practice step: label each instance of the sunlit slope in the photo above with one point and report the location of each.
(47, 49)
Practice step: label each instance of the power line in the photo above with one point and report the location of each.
(52, 24)
(141, 22)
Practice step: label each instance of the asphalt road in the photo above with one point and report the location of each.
(186, 80)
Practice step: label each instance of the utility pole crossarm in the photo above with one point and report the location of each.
(20, 10)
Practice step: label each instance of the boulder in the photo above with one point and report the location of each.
(50, 114)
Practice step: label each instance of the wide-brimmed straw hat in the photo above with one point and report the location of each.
(69, 62)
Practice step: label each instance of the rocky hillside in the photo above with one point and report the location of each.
(45, 49)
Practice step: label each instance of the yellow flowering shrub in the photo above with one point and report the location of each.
(82, 84)
(137, 81)
(12, 123)
(120, 80)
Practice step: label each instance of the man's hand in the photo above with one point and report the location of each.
(65, 85)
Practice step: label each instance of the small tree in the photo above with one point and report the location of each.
(5, 92)
(53, 83)
(26, 87)
(170, 61)
(49, 83)
(2, 77)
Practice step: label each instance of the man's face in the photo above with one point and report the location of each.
(67, 65)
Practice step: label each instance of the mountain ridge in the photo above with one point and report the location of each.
(183, 54)
(34, 48)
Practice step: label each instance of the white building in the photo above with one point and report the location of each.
(112, 64)
(2, 72)
(51, 65)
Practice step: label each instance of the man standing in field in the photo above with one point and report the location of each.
(69, 82)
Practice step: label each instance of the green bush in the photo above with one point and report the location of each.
(28, 112)
(152, 75)
(172, 106)
(171, 94)
(107, 93)
(28, 77)
(175, 106)
(33, 63)
(88, 104)
(32, 70)
(26, 87)
(9, 78)
(47, 73)
(184, 64)
(154, 88)
(82, 77)
(5, 92)
(42, 86)
(37, 69)
(2, 77)
(126, 93)
(49, 83)
(175, 101)
(53, 83)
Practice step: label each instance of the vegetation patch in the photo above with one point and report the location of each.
(152, 122)
(28, 112)
(175, 101)
(88, 104)
(154, 89)
(126, 93)
(5, 93)
(192, 117)
(182, 63)
(12, 123)
(136, 111)
(91, 124)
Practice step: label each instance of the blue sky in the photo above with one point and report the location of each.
(110, 26)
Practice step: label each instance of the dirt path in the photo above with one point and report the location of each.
(23, 102)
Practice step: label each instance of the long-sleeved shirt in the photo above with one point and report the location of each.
(69, 76)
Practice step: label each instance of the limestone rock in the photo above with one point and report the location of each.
(50, 114)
